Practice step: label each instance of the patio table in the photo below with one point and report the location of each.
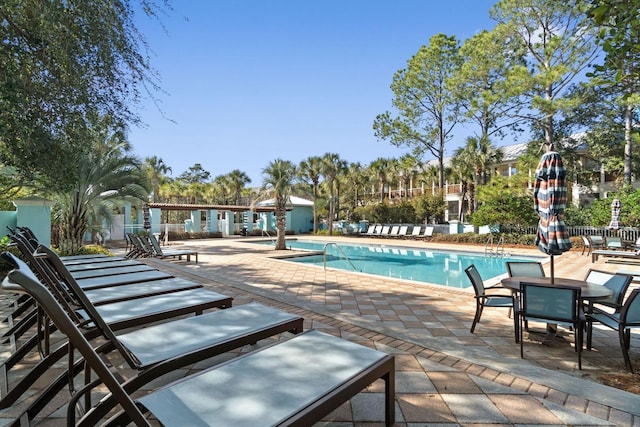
(589, 292)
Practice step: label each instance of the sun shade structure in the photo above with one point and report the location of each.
(550, 200)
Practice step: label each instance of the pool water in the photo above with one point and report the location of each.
(422, 265)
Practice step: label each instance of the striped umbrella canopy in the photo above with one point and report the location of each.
(616, 207)
(550, 200)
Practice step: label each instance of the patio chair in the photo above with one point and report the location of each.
(552, 304)
(617, 282)
(524, 269)
(295, 382)
(597, 241)
(160, 253)
(613, 243)
(402, 233)
(586, 245)
(622, 321)
(484, 299)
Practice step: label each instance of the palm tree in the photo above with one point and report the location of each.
(481, 155)
(156, 171)
(279, 178)
(355, 176)
(462, 169)
(237, 180)
(311, 170)
(222, 184)
(332, 166)
(108, 176)
(380, 167)
(407, 169)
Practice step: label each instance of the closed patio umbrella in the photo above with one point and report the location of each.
(550, 200)
(616, 207)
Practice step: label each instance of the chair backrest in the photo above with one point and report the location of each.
(549, 302)
(630, 313)
(403, 230)
(617, 282)
(22, 280)
(385, 230)
(370, 229)
(525, 269)
(394, 230)
(94, 317)
(596, 240)
(613, 242)
(585, 241)
(416, 230)
(155, 244)
(378, 229)
(476, 279)
(428, 232)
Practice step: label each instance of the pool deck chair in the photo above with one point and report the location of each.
(617, 255)
(156, 350)
(556, 304)
(428, 233)
(384, 232)
(484, 299)
(160, 253)
(395, 231)
(127, 313)
(369, 231)
(415, 232)
(294, 382)
(623, 321)
(402, 233)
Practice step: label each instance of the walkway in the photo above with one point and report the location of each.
(445, 375)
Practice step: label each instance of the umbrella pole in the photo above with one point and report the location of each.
(552, 272)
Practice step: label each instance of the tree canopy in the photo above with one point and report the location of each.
(63, 62)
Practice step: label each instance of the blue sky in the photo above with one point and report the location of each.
(250, 81)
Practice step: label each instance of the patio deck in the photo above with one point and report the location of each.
(445, 375)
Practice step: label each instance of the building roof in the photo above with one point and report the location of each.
(294, 201)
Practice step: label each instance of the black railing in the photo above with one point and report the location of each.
(627, 233)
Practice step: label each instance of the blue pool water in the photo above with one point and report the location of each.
(422, 265)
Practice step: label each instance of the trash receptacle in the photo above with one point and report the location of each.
(243, 232)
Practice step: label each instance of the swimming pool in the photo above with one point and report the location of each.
(421, 265)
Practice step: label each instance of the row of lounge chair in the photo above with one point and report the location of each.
(146, 246)
(296, 381)
(399, 231)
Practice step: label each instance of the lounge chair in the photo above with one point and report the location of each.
(119, 307)
(160, 253)
(295, 382)
(428, 233)
(384, 232)
(402, 233)
(619, 254)
(369, 231)
(156, 350)
(395, 229)
(415, 232)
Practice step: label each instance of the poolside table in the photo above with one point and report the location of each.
(589, 292)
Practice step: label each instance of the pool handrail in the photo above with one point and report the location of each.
(324, 251)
